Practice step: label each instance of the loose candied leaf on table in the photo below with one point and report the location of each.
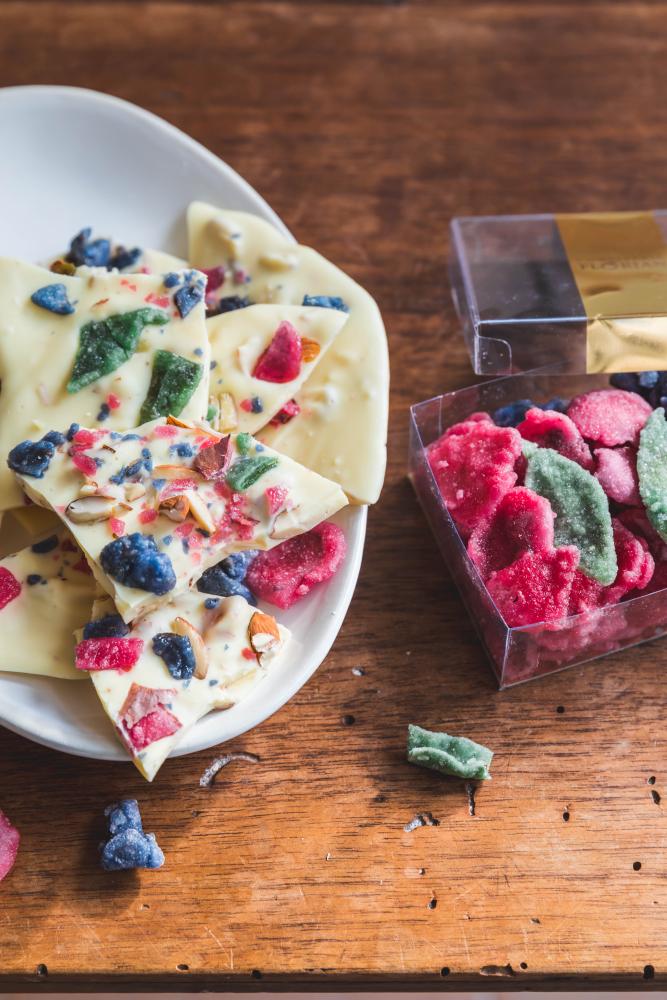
(535, 588)
(474, 468)
(455, 755)
(157, 512)
(9, 845)
(35, 374)
(609, 416)
(522, 522)
(289, 572)
(652, 470)
(551, 429)
(580, 506)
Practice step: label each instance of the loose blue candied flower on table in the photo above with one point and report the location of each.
(54, 299)
(128, 846)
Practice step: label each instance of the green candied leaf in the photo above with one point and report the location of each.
(243, 443)
(173, 381)
(581, 508)
(528, 448)
(455, 755)
(246, 471)
(652, 470)
(106, 344)
(211, 413)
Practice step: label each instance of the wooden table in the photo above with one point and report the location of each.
(367, 126)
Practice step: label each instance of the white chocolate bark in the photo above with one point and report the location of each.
(145, 472)
(156, 262)
(341, 431)
(38, 349)
(239, 338)
(232, 669)
(56, 597)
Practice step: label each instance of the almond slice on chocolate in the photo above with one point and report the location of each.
(263, 632)
(200, 512)
(181, 626)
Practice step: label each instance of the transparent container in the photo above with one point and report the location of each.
(515, 294)
(521, 654)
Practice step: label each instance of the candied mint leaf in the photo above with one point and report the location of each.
(326, 302)
(177, 653)
(134, 560)
(31, 458)
(104, 345)
(581, 508)
(454, 755)
(54, 299)
(246, 471)
(243, 443)
(652, 470)
(106, 627)
(173, 382)
(83, 250)
(124, 815)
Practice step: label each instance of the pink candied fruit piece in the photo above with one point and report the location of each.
(479, 417)
(85, 438)
(108, 653)
(551, 429)
(286, 574)
(281, 361)
(117, 526)
(84, 463)
(153, 727)
(535, 588)
(609, 416)
(290, 410)
(522, 522)
(635, 570)
(215, 277)
(474, 469)
(9, 845)
(10, 588)
(147, 515)
(616, 472)
(276, 497)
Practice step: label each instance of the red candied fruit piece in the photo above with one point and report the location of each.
(479, 417)
(276, 497)
(551, 429)
(84, 463)
(609, 416)
(616, 472)
(281, 361)
(535, 588)
(108, 654)
(215, 277)
(10, 588)
(152, 727)
(290, 410)
(287, 573)
(474, 469)
(9, 845)
(522, 522)
(635, 570)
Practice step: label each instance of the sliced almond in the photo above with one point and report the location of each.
(200, 512)
(263, 632)
(175, 472)
(286, 524)
(226, 418)
(176, 508)
(134, 491)
(309, 349)
(88, 510)
(175, 422)
(88, 489)
(279, 261)
(107, 447)
(62, 267)
(181, 626)
(231, 240)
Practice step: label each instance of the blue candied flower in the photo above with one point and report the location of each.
(183, 450)
(54, 299)
(31, 458)
(46, 545)
(123, 816)
(187, 297)
(33, 579)
(72, 430)
(83, 250)
(652, 385)
(171, 280)
(134, 560)
(131, 849)
(55, 437)
(122, 258)
(211, 602)
(326, 302)
(177, 653)
(228, 303)
(226, 578)
(109, 626)
(104, 412)
(237, 564)
(256, 405)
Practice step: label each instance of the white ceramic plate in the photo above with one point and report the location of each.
(74, 158)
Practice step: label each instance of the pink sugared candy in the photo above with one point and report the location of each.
(10, 588)
(474, 467)
(609, 416)
(152, 727)
(9, 845)
(281, 361)
(616, 472)
(535, 588)
(287, 573)
(551, 429)
(522, 522)
(108, 653)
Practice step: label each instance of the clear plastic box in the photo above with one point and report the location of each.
(516, 295)
(520, 654)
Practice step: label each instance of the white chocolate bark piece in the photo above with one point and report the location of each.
(38, 349)
(22, 526)
(196, 494)
(44, 596)
(156, 262)
(226, 657)
(341, 431)
(238, 341)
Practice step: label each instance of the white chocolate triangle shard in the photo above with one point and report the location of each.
(341, 430)
(54, 373)
(239, 341)
(153, 508)
(233, 647)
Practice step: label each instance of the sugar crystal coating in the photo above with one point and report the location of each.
(513, 413)
(128, 846)
(173, 381)
(522, 522)
(134, 560)
(535, 588)
(609, 416)
(551, 429)
(287, 573)
(635, 569)
(225, 579)
(616, 472)
(104, 345)
(454, 755)
(108, 653)
(54, 299)
(124, 815)
(10, 588)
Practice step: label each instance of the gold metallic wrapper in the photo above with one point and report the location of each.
(619, 263)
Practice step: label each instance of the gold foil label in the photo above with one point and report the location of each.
(619, 263)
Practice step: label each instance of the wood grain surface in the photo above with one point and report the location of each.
(367, 126)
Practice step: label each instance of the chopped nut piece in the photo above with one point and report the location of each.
(88, 509)
(133, 491)
(309, 349)
(200, 512)
(225, 418)
(263, 632)
(279, 261)
(176, 508)
(182, 626)
(176, 422)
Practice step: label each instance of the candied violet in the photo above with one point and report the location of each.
(326, 302)
(83, 250)
(512, 414)
(216, 581)
(54, 299)
(122, 258)
(123, 816)
(228, 303)
(134, 560)
(107, 626)
(128, 846)
(46, 545)
(31, 458)
(177, 653)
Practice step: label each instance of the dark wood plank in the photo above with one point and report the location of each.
(368, 127)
